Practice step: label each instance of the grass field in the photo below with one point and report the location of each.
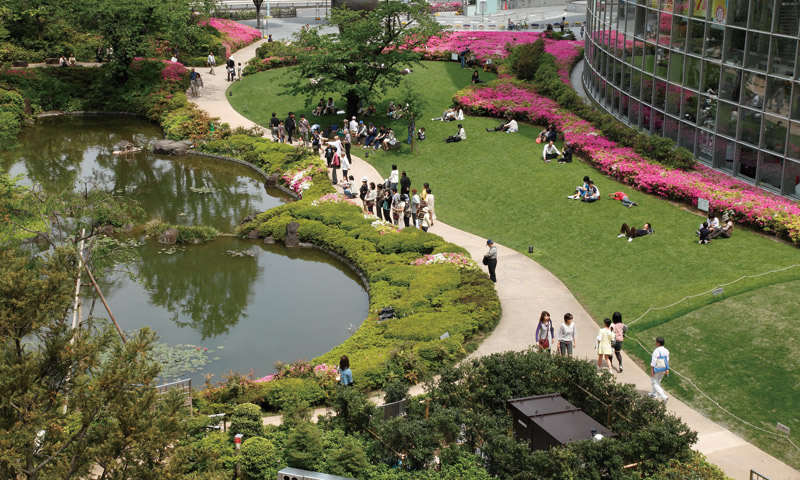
(741, 350)
(495, 185)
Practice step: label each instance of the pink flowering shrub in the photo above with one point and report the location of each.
(234, 35)
(497, 45)
(752, 205)
(445, 7)
(172, 72)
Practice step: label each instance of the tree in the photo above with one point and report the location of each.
(368, 54)
(73, 398)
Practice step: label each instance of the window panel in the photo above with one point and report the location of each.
(658, 122)
(788, 13)
(757, 51)
(749, 126)
(730, 84)
(724, 154)
(775, 131)
(647, 89)
(710, 78)
(770, 171)
(691, 77)
(705, 146)
(689, 106)
(733, 50)
(791, 179)
(778, 94)
(707, 112)
(728, 119)
(761, 15)
(673, 100)
(676, 68)
(748, 161)
(695, 37)
(687, 138)
(755, 87)
(679, 27)
(796, 102)
(738, 12)
(634, 113)
(671, 128)
(784, 52)
(715, 35)
(793, 147)
(660, 94)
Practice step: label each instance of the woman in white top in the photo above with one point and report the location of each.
(566, 336)
(429, 201)
(550, 152)
(426, 221)
(389, 141)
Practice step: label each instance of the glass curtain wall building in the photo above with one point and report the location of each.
(720, 77)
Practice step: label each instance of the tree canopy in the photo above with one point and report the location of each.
(368, 54)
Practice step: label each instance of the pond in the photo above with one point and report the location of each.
(244, 304)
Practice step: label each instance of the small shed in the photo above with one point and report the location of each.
(547, 421)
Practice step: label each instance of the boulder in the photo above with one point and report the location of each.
(252, 234)
(292, 239)
(51, 61)
(171, 147)
(269, 240)
(169, 237)
(19, 64)
(273, 180)
(248, 218)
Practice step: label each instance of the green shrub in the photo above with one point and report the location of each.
(213, 452)
(525, 59)
(246, 419)
(186, 233)
(278, 393)
(304, 447)
(260, 459)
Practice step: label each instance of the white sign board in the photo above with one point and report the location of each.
(783, 428)
(702, 204)
(454, 56)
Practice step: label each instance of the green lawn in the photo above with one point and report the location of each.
(495, 185)
(742, 350)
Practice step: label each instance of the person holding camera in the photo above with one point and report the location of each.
(490, 260)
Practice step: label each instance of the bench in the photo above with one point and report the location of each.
(19, 63)
(51, 61)
(396, 145)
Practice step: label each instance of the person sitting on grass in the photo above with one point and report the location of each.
(448, 116)
(380, 138)
(633, 232)
(549, 134)
(624, 198)
(509, 127)
(421, 134)
(372, 132)
(566, 154)
(330, 107)
(459, 136)
(476, 79)
(592, 193)
(390, 110)
(550, 152)
(580, 190)
(389, 141)
(713, 224)
(725, 231)
(704, 234)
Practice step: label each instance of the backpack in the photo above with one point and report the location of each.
(407, 210)
(329, 152)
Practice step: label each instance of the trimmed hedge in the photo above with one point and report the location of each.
(428, 300)
(186, 233)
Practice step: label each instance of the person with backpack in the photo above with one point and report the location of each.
(230, 66)
(659, 366)
(619, 330)
(273, 126)
(290, 125)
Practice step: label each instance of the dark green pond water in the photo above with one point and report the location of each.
(249, 304)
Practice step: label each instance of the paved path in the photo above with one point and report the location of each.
(526, 288)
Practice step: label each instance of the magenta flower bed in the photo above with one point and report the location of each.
(172, 72)
(234, 35)
(492, 45)
(445, 7)
(751, 205)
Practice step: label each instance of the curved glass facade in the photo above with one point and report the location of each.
(720, 77)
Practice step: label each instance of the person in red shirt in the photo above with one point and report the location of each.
(624, 198)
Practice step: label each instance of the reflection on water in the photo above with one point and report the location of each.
(59, 152)
(276, 304)
(250, 309)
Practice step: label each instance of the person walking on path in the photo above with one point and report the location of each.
(566, 336)
(394, 177)
(490, 260)
(304, 128)
(604, 349)
(659, 366)
(212, 62)
(273, 126)
(290, 125)
(195, 82)
(545, 333)
(345, 374)
(619, 330)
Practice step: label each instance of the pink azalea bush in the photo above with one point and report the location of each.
(330, 198)
(383, 227)
(172, 72)
(298, 179)
(458, 260)
(497, 45)
(752, 205)
(234, 35)
(445, 7)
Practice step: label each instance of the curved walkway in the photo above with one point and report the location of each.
(526, 288)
